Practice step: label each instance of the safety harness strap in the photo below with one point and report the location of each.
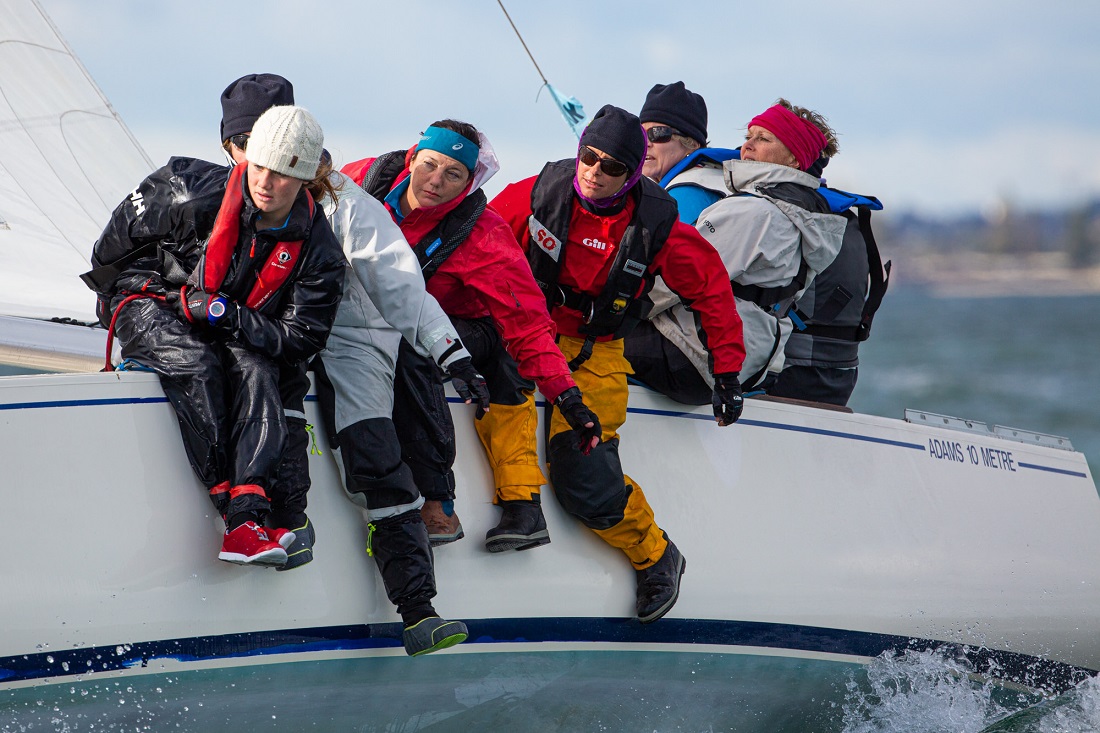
(767, 298)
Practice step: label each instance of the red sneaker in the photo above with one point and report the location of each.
(249, 544)
(284, 537)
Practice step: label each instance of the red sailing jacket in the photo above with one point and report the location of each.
(687, 262)
(488, 275)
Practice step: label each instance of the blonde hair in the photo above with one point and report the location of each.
(832, 147)
(689, 144)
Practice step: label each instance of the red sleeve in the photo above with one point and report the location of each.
(693, 270)
(507, 288)
(514, 206)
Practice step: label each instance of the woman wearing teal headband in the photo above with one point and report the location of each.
(441, 166)
(477, 272)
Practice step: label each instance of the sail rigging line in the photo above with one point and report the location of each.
(570, 107)
(529, 54)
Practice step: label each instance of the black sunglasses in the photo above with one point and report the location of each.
(610, 166)
(661, 133)
(240, 140)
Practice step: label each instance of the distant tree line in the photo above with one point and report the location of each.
(1007, 231)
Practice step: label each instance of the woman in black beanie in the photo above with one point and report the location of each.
(596, 233)
(675, 122)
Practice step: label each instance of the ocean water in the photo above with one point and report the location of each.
(566, 692)
(1028, 363)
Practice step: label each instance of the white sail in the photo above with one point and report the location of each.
(66, 160)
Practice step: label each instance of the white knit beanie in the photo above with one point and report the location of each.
(287, 140)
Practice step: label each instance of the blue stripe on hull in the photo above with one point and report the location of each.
(1019, 668)
(84, 403)
(1049, 469)
(635, 410)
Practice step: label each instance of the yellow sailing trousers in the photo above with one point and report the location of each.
(509, 434)
(594, 488)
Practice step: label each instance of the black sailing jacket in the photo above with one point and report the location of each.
(156, 236)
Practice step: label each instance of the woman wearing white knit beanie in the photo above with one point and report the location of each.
(245, 281)
(284, 152)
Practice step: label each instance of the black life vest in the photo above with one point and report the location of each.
(452, 230)
(858, 267)
(621, 304)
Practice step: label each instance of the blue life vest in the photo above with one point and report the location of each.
(713, 155)
(841, 201)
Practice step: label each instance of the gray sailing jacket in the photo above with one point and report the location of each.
(762, 240)
(384, 300)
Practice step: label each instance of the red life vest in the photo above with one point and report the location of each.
(218, 253)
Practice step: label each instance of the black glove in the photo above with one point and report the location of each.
(469, 384)
(727, 399)
(585, 424)
(203, 308)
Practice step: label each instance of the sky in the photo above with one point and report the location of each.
(942, 107)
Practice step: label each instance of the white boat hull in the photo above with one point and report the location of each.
(808, 534)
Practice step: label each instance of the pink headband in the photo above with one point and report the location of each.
(802, 138)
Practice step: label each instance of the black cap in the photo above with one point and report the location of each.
(617, 133)
(246, 99)
(674, 105)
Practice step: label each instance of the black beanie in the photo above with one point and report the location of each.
(674, 105)
(246, 99)
(617, 133)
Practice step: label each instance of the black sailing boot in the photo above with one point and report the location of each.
(300, 551)
(404, 558)
(659, 585)
(521, 527)
(431, 635)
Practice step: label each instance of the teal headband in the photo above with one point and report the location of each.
(449, 142)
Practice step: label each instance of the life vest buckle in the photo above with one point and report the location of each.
(589, 312)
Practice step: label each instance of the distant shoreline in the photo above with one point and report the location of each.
(976, 275)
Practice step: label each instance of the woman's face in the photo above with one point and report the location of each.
(660, 157)
(434, 179)
(272, 193)
(762, 145)
(593, 181)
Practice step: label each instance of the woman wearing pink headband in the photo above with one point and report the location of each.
(774, 232)
(779, 135)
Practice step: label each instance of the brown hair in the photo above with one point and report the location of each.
(465, 129)
(322, 185)
(832, 147)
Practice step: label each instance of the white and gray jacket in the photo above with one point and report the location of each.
(762, 240)
(384, 300)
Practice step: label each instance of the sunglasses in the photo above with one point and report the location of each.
(241, 140)
(661, 133)
(609, 166)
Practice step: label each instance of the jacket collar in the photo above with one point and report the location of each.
(747, 175)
